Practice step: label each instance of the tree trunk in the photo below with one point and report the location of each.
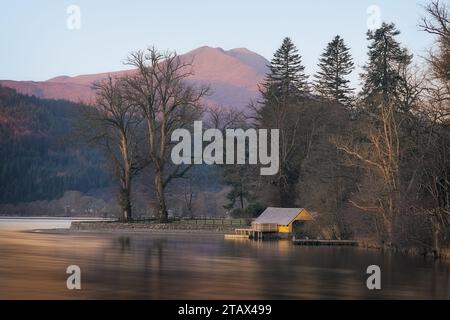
(436, 236)
(241, 197)
(125, 199)
(159, 188)
(125, 204)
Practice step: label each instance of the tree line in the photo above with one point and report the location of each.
(373, 163)
(133, 120)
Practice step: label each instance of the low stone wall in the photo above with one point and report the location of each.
(113, 225)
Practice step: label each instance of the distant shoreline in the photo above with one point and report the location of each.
(54, 218)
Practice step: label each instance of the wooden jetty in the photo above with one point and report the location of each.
(244, 233)
(236, 236)
(256, 232)
(311, 242)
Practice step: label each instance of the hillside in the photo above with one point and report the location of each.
(36, 162)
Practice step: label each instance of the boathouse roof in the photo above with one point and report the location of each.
(282, 216)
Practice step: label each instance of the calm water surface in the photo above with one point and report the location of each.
(199, 266)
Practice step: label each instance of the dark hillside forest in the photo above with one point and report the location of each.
(37, 162)
(44, 170)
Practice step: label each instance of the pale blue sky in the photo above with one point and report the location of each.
(36, 44)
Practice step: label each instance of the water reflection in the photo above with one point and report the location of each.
(124, 244)
(196, 266)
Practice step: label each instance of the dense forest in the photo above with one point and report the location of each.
(37, 160)
(374, 163)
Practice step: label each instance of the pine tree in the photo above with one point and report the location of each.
(381, 77)
(287, 74)
(285, 95)
(335, 64)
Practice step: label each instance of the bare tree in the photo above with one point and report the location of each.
(221, 118)
(167, 102)
(113, 124)
(437, 23)
(380, 153)
(436, 184)
(436, 111)
(241, 179)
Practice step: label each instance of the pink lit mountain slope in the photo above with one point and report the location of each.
(232, 75)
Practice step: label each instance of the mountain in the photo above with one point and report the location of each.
(233, 77)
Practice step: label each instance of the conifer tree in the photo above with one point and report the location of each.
(335, 65)
(285, 94)
(382, 74)
(287, 74)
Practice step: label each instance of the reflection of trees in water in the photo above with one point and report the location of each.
(154, 284)
(131, 266)
(141, 266)
(124, 243)
(290, 272)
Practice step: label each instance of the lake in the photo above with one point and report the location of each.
(161, 265)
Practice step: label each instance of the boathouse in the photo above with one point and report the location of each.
(280, 220)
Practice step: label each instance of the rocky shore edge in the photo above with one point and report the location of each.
(127, 226)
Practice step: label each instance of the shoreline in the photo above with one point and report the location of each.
(425, 253)
(55, 218)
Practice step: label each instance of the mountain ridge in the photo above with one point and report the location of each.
(233, 76)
